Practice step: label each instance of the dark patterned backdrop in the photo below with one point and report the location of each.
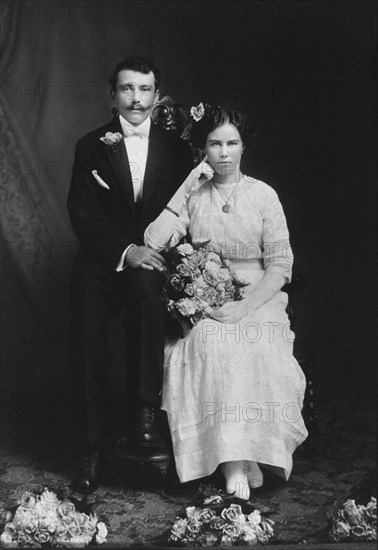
(304, 70)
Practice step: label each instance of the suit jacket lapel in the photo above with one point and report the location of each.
(120, 163)
(155, 157)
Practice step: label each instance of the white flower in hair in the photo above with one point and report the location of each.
(197, 112)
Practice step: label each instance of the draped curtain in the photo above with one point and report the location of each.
(304, 70)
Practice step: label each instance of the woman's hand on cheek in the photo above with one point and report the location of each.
(203, 172)
(197, 177)
(232, 312)
(205, 169)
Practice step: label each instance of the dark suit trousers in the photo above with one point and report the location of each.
(137, 291)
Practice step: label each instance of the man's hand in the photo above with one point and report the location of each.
(231, 312)
(145, 258)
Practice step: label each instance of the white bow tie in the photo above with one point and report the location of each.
(128, 132)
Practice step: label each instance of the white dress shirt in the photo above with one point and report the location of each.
(137, 151)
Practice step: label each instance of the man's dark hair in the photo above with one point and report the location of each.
(137, 64)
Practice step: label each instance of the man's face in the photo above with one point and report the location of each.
(135, 95)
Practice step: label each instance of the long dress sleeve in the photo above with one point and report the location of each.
(277, 253)
(167, 229)
(172, 224)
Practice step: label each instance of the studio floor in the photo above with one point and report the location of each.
(40, 447)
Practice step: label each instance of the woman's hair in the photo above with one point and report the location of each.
(213, 118)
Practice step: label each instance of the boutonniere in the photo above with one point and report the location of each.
(112, 140)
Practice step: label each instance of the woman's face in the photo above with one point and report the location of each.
(224, 149)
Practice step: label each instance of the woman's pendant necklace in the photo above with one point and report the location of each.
(226, 207)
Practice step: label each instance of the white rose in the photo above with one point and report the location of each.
(254, 518)
(197, 112)
(249, 534)
(179, 528)
(186, 307)
(211, 266)
(185, 249)
(111, 138)
(212, 256)
(23, 516)
(6, 541)
(102, 532)
(192, 513)
(49, 500)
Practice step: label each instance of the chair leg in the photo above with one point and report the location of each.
(310, 411)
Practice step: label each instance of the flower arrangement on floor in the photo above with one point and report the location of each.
(198, 281)
(41, 519)
(220, 520)
(354, 522)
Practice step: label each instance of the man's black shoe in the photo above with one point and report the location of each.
(147, 433)
(90, 470)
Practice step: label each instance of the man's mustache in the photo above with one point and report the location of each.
(135, 108)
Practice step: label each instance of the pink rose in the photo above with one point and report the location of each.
(189, 289)
(340, 531)
(209, 277)
(177, 282)
(232, 530)
(232, 513)
(61, 530)
(23, 539)
(74, 531)
(193, 263)
(217, 524)
(193, 530)
(206, 515)
(42, 536)
(210, 296)
(29, 528)
(183, 270)
(65, 508)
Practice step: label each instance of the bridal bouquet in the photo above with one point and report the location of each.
(217, 521)
(198, 281)
(41, 519)
(354, 522)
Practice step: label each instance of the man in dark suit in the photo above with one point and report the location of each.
(123, 176)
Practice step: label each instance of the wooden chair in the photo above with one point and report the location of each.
(306, 357)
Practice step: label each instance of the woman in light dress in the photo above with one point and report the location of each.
(232, 389)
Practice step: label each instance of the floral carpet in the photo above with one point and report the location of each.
(40, 447)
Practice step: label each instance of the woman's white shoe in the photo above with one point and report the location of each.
(235, 473)
(254, 474)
